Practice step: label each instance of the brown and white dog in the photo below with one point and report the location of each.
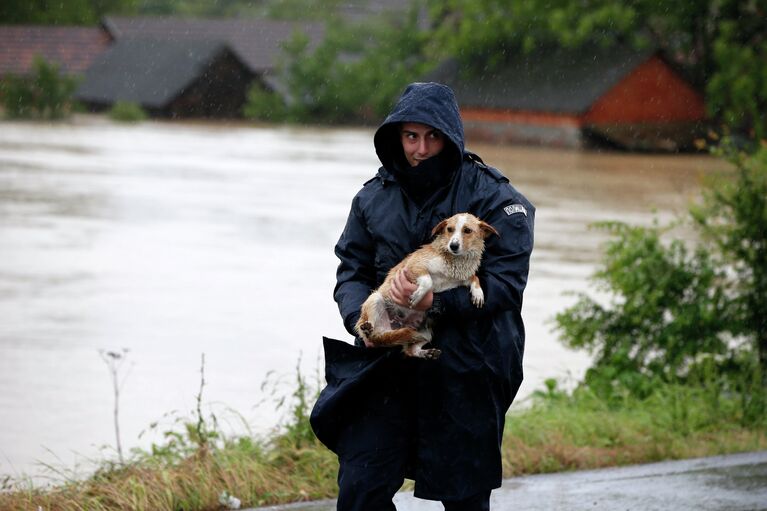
(451, 260)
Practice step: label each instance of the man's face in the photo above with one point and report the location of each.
(420, 142)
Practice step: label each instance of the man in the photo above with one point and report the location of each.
(439, 422)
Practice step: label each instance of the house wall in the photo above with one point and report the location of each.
(652, 93)
(220, 92)
(513, 127)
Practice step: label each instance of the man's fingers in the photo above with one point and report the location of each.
(399, 289)
(395, 284)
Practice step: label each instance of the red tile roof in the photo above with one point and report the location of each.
(72, 48)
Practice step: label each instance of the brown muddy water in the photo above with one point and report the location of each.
(174, 240)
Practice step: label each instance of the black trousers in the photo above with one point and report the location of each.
(371, 487)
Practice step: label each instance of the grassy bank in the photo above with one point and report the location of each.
(570, 432)
(555, 432)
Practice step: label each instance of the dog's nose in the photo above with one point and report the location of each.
(454, 246)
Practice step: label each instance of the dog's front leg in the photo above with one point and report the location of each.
(425, 284)
(477, 296)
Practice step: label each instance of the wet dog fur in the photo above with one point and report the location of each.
(449, 261)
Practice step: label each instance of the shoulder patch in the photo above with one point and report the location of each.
(512, 209)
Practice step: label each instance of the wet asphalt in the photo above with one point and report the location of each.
(735, 482)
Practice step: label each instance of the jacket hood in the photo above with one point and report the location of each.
(429, 103)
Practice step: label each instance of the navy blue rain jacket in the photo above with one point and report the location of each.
(461, 399)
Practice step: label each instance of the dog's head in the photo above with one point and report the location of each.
(462, 234)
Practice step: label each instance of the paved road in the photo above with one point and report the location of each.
(723, 483)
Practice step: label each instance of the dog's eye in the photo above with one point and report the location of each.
(466, 230)
(450, 229)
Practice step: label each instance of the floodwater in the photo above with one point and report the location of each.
(176, 240)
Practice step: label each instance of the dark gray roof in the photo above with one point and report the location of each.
(147, 71)
(257, 42)
(362, 10)
(562, 81)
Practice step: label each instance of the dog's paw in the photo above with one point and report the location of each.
(477, 297)
(431, 354)
(366, 328)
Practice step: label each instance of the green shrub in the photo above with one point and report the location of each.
(45, 94)
(264, 105)
(125, 111)
(677, 313)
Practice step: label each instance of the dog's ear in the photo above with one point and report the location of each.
(487, 229)
(439, 228)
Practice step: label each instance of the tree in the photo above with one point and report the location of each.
(354, 74)
(70, 12)
(481, 32)
(737, 90)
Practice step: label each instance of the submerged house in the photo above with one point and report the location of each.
(185, 67)
(72, 49)
(616, 96)
(168, 78)
(257, 43)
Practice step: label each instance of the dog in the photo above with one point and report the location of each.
(449, 261)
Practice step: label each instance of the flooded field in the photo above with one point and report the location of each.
(174, 240)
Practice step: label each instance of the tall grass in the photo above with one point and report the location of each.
(554, 431)
(578, 431)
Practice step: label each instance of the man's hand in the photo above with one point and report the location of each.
(402, 288)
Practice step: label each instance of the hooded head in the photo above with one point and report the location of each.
(432, 104)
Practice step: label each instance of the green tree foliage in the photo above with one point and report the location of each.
(737, 90)
(200, 8)
(483, 31)
(354, 74)
(69, 12)
(45, 94)
(674, 314)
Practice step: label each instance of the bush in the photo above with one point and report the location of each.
(732, 219)
(45, 94)
(125, 111)
(264, 105)
(677, 313)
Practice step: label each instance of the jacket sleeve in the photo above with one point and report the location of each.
(506, 262)
(355, 277)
